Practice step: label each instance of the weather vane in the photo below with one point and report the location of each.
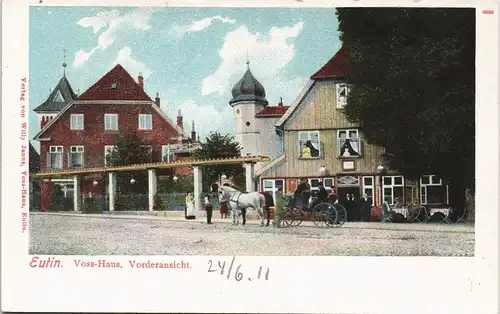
(64, 62)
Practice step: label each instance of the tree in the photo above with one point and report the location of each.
(130, 150)
(413, 88)
(217, 145)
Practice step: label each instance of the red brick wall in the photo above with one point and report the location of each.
(94, 137)
(183, 171)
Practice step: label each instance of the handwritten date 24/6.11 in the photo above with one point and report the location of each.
(220, 266)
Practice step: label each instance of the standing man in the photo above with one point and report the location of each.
(208, 207)
(279, 208)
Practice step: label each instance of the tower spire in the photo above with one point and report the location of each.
(64, 64)
(248, 61)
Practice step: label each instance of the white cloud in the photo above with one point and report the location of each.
(116, 24)
(199, 25)
(207, 118)
(268, 56)
(126, 59)
(81, 56)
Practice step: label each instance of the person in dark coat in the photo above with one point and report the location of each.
(346, 202)
(302, 193)
(322, 194)
(208, 207)
(332, 196)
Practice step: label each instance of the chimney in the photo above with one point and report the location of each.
(281, 102)
(43, 123)
(141, 80)
(193, 133)
(157, 99)
(179, 120)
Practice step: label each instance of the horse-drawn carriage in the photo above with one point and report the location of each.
(323, 213)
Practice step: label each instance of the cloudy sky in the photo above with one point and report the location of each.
(191, 56)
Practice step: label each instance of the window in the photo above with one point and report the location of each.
(145, 122)
(432, 190)
(76, 157)
(342, 92)
(309, 145)
(314, 183)
(58, 97)
(393, 189)
(76, 122)
(108, 149)
(55, 157)
(349, 143)
(111, 122)
(328, 183)
(273, 186)
(368, 189)
(166, 154)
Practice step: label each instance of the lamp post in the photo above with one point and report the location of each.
(380, 170)
(174, 203)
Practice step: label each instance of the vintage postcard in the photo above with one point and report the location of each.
(210, 157)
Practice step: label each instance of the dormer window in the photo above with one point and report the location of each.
(114, 85)
(342, 92)
(58, 97)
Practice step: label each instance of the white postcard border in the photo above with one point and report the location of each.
(297, 284)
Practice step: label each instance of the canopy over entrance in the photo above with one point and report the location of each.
(196, 164)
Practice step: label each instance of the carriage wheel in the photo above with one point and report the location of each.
(341, 215)
(324, 215)
(298, 217)
(288, 218)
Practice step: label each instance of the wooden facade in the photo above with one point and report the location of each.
(317, 111)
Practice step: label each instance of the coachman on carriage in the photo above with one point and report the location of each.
(322, 210)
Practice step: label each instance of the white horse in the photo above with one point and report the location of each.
(238, 200)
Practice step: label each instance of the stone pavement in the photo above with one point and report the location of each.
(98, 234)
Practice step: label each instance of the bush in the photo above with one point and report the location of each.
(58, 199)
(158, 203)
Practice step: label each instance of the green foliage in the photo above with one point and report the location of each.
(130, 149)
(413, 87)
(158, 203)
(59, 202)
(217, 145)
(183, 184)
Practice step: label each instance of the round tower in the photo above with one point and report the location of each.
(249, 98)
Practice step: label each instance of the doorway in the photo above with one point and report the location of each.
(353, 207)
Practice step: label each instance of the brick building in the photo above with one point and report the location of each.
(79, 131)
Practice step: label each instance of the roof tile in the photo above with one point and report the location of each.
(334, 68)
(53, 102)
(272, 111)
(126, 87)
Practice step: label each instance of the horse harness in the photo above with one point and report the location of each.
(237, 199)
